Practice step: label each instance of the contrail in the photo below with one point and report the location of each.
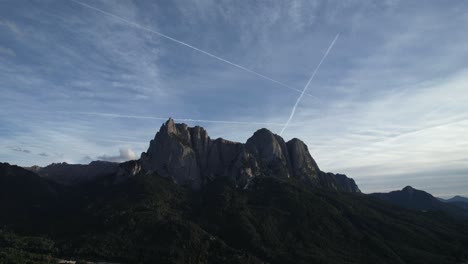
(187, 45)
(111, 115)
(308, 83)
(177, 119)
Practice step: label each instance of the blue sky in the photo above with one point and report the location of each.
(388, 106)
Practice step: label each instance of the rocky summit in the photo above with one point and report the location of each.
(188, 156)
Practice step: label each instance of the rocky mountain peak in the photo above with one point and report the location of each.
(302, 163)
(271, 151)
(169, 126)
(171, 154)
(189, 157)
(265, 141)
(262, 133)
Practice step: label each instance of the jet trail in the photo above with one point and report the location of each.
(308, 83)
(176, 119)
(187, 45)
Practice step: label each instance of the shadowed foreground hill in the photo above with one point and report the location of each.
(150, 219)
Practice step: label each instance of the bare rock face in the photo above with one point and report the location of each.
(302, 164)
(230, 159)
(171, 155)
(128, 169)
(271, 153)
(189, 157)
(346, 184)
(337, 182)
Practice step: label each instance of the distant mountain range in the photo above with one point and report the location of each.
(455, 199)
(191, 199)
(73, 174)
(415, 199)
(459, 201)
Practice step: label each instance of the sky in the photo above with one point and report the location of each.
(83, 80)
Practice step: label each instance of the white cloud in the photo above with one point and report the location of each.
(125, 154)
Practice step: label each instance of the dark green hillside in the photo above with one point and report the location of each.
(149, 219)
(16, 249)
(283, 222)
(27, 200)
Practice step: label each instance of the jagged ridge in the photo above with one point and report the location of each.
(189, 157)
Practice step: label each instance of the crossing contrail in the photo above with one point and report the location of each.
(187, 45)
(308, 83)
(111, 115)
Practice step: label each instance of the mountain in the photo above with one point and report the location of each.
(24, 194)
(189, 157)
(457, 198)
(72, 174)
(24, 187)
(151, 219)
(411, 198)
(458, 201)
(190, 199)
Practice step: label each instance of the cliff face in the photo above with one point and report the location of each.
(188, 156)
(172, 154)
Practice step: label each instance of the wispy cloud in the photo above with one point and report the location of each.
(7, 51)
(12, 27)
(18, 149)
(131, 23)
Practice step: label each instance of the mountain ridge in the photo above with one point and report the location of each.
(190, 157)
(415, 199)
(456, 198)
(72, 174)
